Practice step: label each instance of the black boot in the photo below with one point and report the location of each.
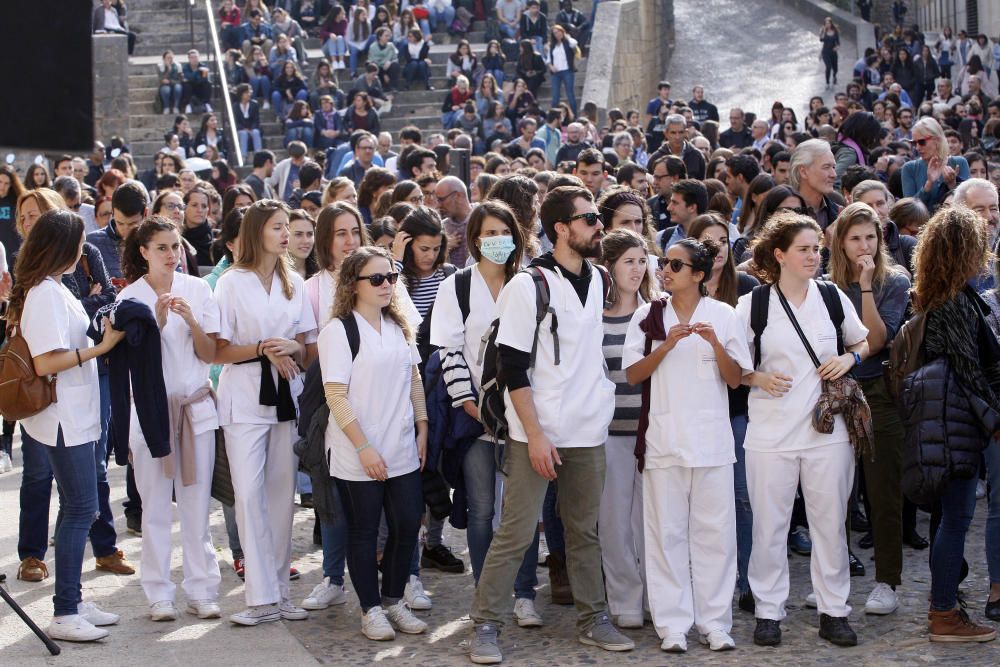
(747, 603)
(767, 632)
(837, 631)
(856, 566)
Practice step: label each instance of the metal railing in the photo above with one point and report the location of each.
(220, 67)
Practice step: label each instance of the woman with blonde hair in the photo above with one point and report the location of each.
(932, 176)
(340, 189)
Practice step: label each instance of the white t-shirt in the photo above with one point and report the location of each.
(575, 400)
(326, 291)
(378, 383)
(688, 402)
(449, 331)
(54, 319)
(785, 424)
(248, 314)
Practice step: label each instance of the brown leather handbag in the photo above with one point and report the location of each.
(23, 393)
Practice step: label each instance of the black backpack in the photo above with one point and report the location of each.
(492, 411)
(761, 298)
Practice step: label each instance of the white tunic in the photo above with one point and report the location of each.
(54, 319)
(449, 331)
(378, 382)
(248, 315)
(688, 403)
(785, 424)
(326, 291)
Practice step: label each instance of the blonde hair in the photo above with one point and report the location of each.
(927, 125)
(46, 199)
(251, 252)
(333, 188)
(345, 297)
(841, 268)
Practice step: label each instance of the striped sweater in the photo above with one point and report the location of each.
(628, 399)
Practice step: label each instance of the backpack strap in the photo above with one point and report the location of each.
(760, 300)
(542, 308)
(463, 290)
(835, 307)
(353, 334)
(605, 282)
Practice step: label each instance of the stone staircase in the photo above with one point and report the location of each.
(163, 24)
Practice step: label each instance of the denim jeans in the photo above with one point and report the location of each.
(992, 454)
(402, 499)
(497, 74)
(479, 468)
(232, 531)
(335, 47)
(303, 483)
(417, 70)
(508, 30)
(555, 534)
(299, 131)
(103, 537)
(279, 101)
(261, 86)
(958, 502)
(355, 52)
(76, 476)
(445, 15)
(170, 95)
(744, 514)
(245, 137)
(566, 79)
(334, 549)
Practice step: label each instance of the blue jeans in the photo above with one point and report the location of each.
(417, 69)
(992, 454)
(567, 79)
(303, 482)
(170, 95)
(555, 534)
(334, 549)
(445, 15)
(958, 502)
(508, 30)
(744, 514)
(355, 52)
(279, 101)
(232, 531)
(479, 468)
(299, 131)
(335, 47)
(103, 537)
(76, 476)
(261, 86)
(245, 137)
(497, 74)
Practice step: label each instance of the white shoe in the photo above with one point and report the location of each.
(387, 107)
(675, 643)
(811, 600)
(325, 594)
(262, 613)
(74, 628)
(718, 640)
(267, 105)
(524, 612)
(628, 620)
(882, 600)
(204, 608)
(375, 625)
(290, 612)
(208, 108)
(403, 619)
(166, 111)
(415, 596)
(93, 614)
(5, 463)
(980, 489)
(187, 109)
(164, 610)
(177, 110)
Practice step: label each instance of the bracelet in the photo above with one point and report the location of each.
(258, 347)
(79, 361)
(358, 450)
(867, 291)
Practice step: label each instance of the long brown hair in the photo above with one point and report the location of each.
(778, 234)
(727, 290)
(953, 247)
(325, 222)
(499, 210)
(51, 247)
(252, 247)
(346, 295)
(615, 244)
(841, 268)
(134, 265)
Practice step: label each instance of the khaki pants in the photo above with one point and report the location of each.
(580, 482)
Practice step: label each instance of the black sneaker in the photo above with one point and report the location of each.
(439, 557)
(867, 541)
(133, 523)
(859, 522)
(767, 632)
(915, 540)
(993, 610)
(857, 567)
(837, 631)
(747, 602)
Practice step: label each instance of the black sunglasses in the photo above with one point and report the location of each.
(921, 142)
(676, 265)
(376, 279)
(590, 218)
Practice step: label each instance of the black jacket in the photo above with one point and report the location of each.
(201, 238)
(248, 121)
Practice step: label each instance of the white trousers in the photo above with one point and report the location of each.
(826, 474)
(620, 528)
(690, 526)
(201, 568)
(262, 466)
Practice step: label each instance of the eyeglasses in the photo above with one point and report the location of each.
(676, 265)
(376, 279)
(416, 199)
(76, 206)
(920, 142)
(174, 207)
(590, 218)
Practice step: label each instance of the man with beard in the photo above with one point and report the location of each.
(558, 422)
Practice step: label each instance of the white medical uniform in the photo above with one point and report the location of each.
(688, 499)
(327, 287)
(183, 374)
(259, 447)
(783, 450)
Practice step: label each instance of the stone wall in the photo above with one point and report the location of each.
(111, 115)
(629, 53)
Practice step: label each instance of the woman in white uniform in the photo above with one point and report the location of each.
(689, 506)
(189, 321)
(54, 325)
(782, 447)
(624, 254)
(264, 321)
(377, 436)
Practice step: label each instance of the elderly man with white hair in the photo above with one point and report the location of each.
(813, 172)
(931, 177)
(980, 196)
(944, 97)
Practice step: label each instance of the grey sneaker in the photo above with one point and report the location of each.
(603, 634)
(485, 650)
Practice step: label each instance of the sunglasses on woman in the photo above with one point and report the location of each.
(590, 218)
(920, 142)
(676, 265)
(376, 279)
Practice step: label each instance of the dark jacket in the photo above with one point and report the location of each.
(201, 238)
(405, 58)
(90, 271)
(731, 139)
(250, 120)
(693, 159)
(314, 415)
(108, 242)
(900, 247)
(98, 18)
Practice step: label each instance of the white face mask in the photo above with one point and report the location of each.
(497, 249)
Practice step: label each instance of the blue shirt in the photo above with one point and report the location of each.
(293, 175)
(914, 176)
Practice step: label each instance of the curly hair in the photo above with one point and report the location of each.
(778, 234)
(615, 244)
(346, 295)
(952, 248)
(702, 255)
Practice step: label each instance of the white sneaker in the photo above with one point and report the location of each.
(267, 105)
(93, 614)
(177, 110)
(403, 619)
(187, 109)
(208, 108)
(524, 612)
(882, 600)
(628, 620)
(675, 643)
(375, 625)
(811, 600)
(204, 608)
(166, 111)
(325, 594)
(262, 613)
(290, 612)
(74, 628)
(980, 489)
(415, 596)
(5, 463)
(718, 640)
(164, 610)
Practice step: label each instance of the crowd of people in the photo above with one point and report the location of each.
(679, 331)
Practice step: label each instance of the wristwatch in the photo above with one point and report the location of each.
(857, 358)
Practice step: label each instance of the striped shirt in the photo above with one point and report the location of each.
(628, 399)
(423, 291)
